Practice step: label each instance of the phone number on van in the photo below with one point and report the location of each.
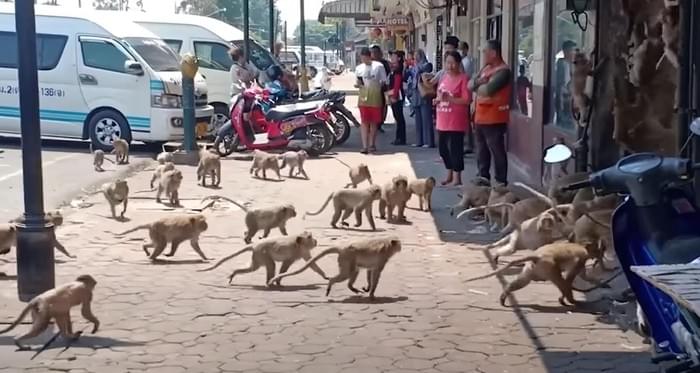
(48, 92)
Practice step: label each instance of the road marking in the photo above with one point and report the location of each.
(43, 165)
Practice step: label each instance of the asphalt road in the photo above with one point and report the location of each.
(67, 170)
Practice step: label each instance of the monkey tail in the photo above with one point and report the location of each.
(145, 190)
(493, 245)
(134, 229)
(509, 206)
(322, 207)
(332, 250)
(215, 197)
(284, 161)
(607, 226)
(343, 163)
(109, 160)
(599, 285)
(225, 259)
(21, 317)
(544, 198)
(531, 258)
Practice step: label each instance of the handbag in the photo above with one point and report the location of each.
(426, 89)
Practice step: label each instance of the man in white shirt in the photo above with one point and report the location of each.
(467, 61)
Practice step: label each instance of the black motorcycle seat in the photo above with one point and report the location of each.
(279, 113)
(310, 94)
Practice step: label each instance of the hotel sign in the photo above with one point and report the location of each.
(398, 23)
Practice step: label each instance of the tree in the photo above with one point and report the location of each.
(316, 33)
(259, 17)
(116, 4)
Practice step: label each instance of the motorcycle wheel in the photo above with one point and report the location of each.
(227, 144)
(342, 128)
(321, 139)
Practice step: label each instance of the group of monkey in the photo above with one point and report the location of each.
(562, 229)
(371, 254)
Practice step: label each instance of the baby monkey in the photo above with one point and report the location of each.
(121, 149)
(295, 159)
(371, 254)
(116, 192)
(164, 157)
(394, 194)
(169, 184)
(56, 304)
(357, 174)
(209, 164)
(423, 188)
(158, 172)
(99, 159)
(287, 250)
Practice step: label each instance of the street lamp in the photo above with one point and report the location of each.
(246, 29)
(35, 234)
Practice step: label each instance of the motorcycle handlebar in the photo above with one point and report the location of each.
(577, 186)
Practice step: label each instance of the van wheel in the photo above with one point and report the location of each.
(107, 126)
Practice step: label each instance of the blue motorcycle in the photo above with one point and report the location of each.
(658, 223)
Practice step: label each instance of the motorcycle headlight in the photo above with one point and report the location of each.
(166, 101)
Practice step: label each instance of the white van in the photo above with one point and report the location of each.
(99, 79)
(210, 40)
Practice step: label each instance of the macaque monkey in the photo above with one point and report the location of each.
(559, 262)
(295, 159)
(358, 174)
(286, 249)
(264, 161)
(475, 194)
(531, 234)
(394, 194)
(670, 35)
(498, 216)
(116, 192)
(637, 131)
(371, 254)
(160, 169)
(56, 304)
(262, 218)
(8, 234)
(121, 149)
(209, 164)
(555, 190)
(345, 201)
(165, 157)
(169, 183)
(174, 230)
(594, 228)
(518, 211)
(582, 68)
(423, 188)
(99, 160)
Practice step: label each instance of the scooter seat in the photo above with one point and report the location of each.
(280, 113)
(310, 94)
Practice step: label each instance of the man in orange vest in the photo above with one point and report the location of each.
(492, 88)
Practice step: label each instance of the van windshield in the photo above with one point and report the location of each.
(156, 53)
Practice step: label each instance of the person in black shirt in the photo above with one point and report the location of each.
(378, 55)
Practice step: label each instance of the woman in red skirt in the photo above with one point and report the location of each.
(370, 77)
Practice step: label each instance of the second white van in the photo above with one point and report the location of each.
(99, 79)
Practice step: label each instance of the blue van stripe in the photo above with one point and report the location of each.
(69, 116)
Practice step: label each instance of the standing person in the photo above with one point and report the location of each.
(451, 43)
(453, 98)
(469, 67)
(562, 94)
(378, 55)
(523, 88)
(492, 87)
(397, 97)
(242, 73)
(423, 106)
(370, 78)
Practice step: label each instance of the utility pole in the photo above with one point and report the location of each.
(272, 26)
(246, 29)
(302, 32)
(35, 235)
(285, 36)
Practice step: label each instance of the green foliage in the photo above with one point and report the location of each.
(116, 4)
(316, 33)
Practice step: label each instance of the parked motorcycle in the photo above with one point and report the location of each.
(341, 116)
(658, 223)
(297, 126)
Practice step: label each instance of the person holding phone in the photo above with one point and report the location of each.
(452, 112)
(371, 76)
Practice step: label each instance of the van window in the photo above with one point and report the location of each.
(259, 56)
(156, 53)
(176, 45)
(213, 55)
(103, 55)
(49, 49)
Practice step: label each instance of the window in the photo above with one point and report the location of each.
(494, 10)
(49, 49)
(176, 45)
(104, 55)
(156, 53)
(259, 56)
(568, 37)
(524, 48)
(213, 55)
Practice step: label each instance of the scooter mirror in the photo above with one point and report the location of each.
(695, 127)
(557, 153)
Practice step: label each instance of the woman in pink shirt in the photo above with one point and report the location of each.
(452, 110)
